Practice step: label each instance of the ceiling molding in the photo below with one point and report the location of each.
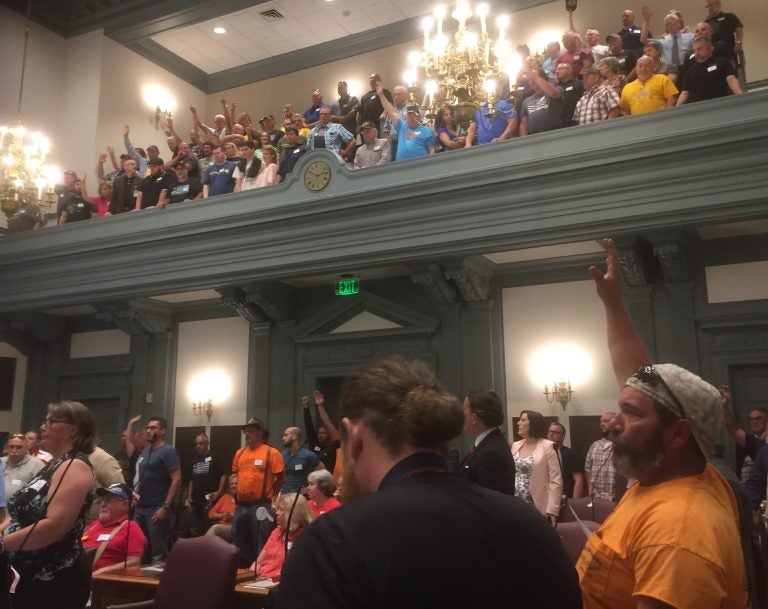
(177, 66)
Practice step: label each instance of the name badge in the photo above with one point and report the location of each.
(377, 147)
(711, 68)
(299, 467)
(16, 482)
(569, 88)
(373, 97)
(103, 537)
(258, 462)
(207, 459)
(721, 18)
(38, 485)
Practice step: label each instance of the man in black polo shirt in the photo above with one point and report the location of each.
(292, 152)
(630, 33)
(124, 190)
(371, 107)
(183, 188)
(158, 179)
(726, 27)
(66, 191)
(708, 77)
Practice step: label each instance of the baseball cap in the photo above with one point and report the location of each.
(266, 117)
(153, 147)
(157, 161)
(700, 401)
(368, 125)
(117, 490)
(610, 37)
(292, 130)
(415, 109)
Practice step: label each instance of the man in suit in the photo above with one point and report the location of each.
(490, 461)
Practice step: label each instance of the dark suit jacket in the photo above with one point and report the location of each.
(491, 464)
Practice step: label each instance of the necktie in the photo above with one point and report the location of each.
(675, 51)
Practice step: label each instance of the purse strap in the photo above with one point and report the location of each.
(103, 546)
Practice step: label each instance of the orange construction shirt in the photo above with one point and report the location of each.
(250, 465)
(676, 542)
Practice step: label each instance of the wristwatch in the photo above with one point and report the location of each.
(167, 505)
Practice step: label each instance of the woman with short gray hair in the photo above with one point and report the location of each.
(320, 487)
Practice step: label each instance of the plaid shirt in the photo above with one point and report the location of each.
(595, 104)
(599, 461)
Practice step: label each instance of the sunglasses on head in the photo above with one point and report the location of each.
(648, 375)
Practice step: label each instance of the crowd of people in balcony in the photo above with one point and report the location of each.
(580, 82)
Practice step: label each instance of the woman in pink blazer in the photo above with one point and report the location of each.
(537, 473)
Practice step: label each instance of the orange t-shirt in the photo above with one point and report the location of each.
(250, 465)
(225, 505)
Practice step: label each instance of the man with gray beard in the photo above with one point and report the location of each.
(673, 540)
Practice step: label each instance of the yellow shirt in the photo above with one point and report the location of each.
(638, 97)
(676, 542)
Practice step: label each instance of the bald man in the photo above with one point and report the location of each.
(298, 461)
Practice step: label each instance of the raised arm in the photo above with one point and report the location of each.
(129, 149)
(100, 167)
(229, 114)
(730, 422)
(127, 437)
(547, 87)
(647, 14)
(174, 135)
(627, 350)
(333, 433)
(389, 109)
(309, 424)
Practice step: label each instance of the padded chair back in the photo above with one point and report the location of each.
(596, 510)
(200, 573)
(574, 538)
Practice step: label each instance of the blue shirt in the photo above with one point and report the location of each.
(153, 477)
(415, 142)
(297, 468)
(219, 178)
(490, 128)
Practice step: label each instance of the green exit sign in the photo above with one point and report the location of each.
(347, 285)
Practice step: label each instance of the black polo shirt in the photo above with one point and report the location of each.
(184, 191)
(78, 209)
(630, 38)
(152, 186)
(371, 107)
(288, 160)
(724, 27)
(707, 80)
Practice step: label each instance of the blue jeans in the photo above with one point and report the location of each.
(158, 534)
(248, 533)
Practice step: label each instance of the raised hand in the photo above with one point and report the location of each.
(608, 284)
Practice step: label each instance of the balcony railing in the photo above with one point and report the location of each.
(701, 164)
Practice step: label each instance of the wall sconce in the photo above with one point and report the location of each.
(561, 392)
(206, 389)
(205, 408)
(161, 115)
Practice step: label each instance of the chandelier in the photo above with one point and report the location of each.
(467, 69)
(24, 175)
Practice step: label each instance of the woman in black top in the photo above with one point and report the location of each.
(47, 516)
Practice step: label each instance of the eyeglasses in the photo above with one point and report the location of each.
(648, 374)
(48, 421)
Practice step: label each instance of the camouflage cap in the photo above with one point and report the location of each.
(700, 401)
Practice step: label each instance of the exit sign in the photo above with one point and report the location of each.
(348, 285)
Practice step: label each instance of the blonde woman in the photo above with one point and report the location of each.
(269, 564)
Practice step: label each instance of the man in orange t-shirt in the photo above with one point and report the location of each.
(673, 540)
(260, 474)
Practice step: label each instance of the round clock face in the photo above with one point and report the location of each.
(317, 175)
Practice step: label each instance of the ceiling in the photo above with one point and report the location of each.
(296, 34)
(278, 27)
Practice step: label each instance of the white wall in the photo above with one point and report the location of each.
(215, 344)
(534, 316)
(737, 282)
(10, 420)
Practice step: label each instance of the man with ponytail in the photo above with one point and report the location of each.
(411, 534)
